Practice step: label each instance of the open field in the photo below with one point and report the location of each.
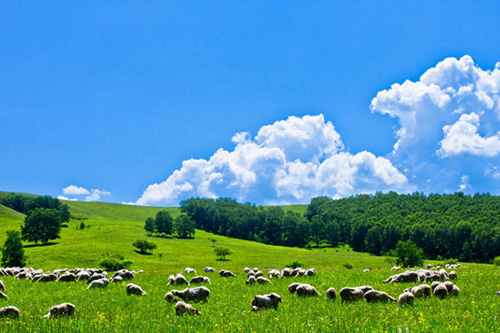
(111, 229)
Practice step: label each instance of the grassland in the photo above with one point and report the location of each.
(111, 229)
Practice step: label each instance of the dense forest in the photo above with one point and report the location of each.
(447, 226)
(28, 203)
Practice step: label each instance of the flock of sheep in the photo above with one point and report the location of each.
(97, 278)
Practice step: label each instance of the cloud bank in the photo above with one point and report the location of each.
(447, 140)
(92, 195)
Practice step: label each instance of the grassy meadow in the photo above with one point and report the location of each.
(111, 229)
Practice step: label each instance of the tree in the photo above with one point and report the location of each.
(184, 226)
(149, 226)
(222, 252)
(41, 225)
(164, 222)
(143, 246)
(408, 254)
(13, 251)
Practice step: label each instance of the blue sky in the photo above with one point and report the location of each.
(142, 102)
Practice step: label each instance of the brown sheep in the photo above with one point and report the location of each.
(306, 290)
(374, 296)
(348, 294)
(225, 273)
(67, 277)
(266, 301)
(46, 278)
(199, 279)
(449, 286)
(133, 289)
(263, 280)
(170, 298)
(331, 293)
(193, 294)
(181, 308)
(452, 275)
(440, 291)
(67, 309)
(406, 298)
(9, 311)
(424, 290)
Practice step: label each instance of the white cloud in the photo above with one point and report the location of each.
(75, 190)
(61, 197)
(451, 113)
(96, 195)
(290, 161)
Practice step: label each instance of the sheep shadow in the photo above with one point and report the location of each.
(37, 245)
(143, 253)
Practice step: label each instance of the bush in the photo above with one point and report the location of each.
(496, 261)
(222, 252)
(348, 265)
(115, 263)
(13, 250)
(295, 264)
(143, 246)
(409, 254)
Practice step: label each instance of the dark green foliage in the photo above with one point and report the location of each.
(408, 254)
(115, 263)
(13, 251)
(82, 225)
(144, 246)
(184, 226)
(26, 204)
(149, 226)
(347, 265)
(41, 225)
(295, 264)
(164, 222)
(222, 252)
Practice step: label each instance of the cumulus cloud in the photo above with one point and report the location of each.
(448, 116)
(75, 190)
(92, 195)
(289, 161)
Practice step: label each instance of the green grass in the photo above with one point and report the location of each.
(113, 228)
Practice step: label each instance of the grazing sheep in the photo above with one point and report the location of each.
(170, 298)
(255, 269)
(367, 270)
(258, 273)
(67, 277)
(306, 290)
(455, 291)
(310, 272)
(2, 286)
(225, 273)
(424, 290)
(435, 284)
(199, 279)
(452, 275)
(449, 286)
(193, 294)
(266, 301)
(428, 266)
(101, 283)
(263, 280)
(408, 276)
(298, 272)
(181, 308)
(117, 279)
(348, 294)
(441, 291)
(293, 287)
(83, 275)
(246, 269)
(180, 279)
(209, 270)
(125, 274)
(374, 296)
(190, 270)
(9, 311)
(406, 298)
(2, 295)
(395, 268)
(273, 273)
(133, 289)
(67, 309)
(365, 289)
(45, 278)
(250, 273)
(331, 293)
(286, 272)
(97, 276)
(171, 280)
(251, 280)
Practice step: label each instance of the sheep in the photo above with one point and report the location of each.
(331, 293)
(67, 277)
(306, 290)
(310, 272)
(101, 283)
(367, 270)
(440, 291)
(251, 280)
(180, 279)
(225, 273)
(9, 311)
(406, 298)
(435, 284)
(263, 280)
(181, 308)
(296, 271)
(45, 278)
(190, 270)
(125, 274)
(67, 309)
(2, 295)
(170, 298)
(293, 287)
(199, 279)
(193, 294)
(117, 279)
(273, 273)
(395, 268)
(428, 266)
(83, 275)
(348, 294)
(133, 289)
(209, 270)
(266, 301)
(2, 286)
(455, 291)
(374, 296)
(258, 274)
(365, 289)
(250, 273)
(171, 280)
(286, 272)
(408, 276)
(246, 269)
(424, 290)
(255, 269)
(449, 286)
(97, 276)
(452, 275)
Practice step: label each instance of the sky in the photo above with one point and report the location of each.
(269, 102)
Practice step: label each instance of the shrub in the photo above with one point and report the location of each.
(115, 263)
(143, 246)
(222, 252)
(295, 264)
(347, 265)
(496, 261)
(13, 251)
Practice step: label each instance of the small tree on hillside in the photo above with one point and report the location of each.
(149, 226)
(222, 252)
(143, 246)
(164, 222)
(408, 254)
(184, 226)
(13, 251)
(41, 225)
